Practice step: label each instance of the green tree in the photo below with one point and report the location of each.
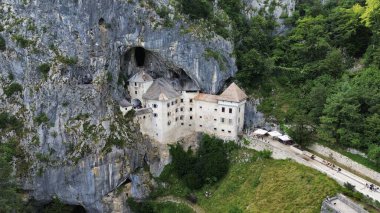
(301, 130)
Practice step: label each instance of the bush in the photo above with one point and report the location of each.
(196, 9)
(12, 88)
(207, 166)
(21, 41)
(44, 69)
(265, 154)
(41, 118)
(3, 46)
(9, 122)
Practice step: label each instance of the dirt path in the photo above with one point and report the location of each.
(173, 199)
(281, 151)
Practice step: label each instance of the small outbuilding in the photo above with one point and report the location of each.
(260, 132)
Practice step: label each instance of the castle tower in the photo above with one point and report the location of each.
(138, 85)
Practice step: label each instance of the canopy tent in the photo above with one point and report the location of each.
(260, 132)
(285, 138)
(274, 134)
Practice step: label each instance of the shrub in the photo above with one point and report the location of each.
(196, 9)
(2, 44)
(12, 88)
(21, 41)
(265, 154)
(41, 118)
(9, 122)
(207, 166)
(44, 69)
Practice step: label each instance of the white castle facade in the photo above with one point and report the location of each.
(170, 110)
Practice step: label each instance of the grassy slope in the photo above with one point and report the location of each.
(270, 186)
(169, 207)
(262, 185)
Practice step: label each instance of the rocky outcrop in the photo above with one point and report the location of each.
(82, 149)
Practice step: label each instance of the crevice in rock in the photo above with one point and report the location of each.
(140, 56)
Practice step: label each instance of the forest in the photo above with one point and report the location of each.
(319, 78)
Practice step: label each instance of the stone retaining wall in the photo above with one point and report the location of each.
(329, 153)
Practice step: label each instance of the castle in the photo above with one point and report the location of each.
(168, 110)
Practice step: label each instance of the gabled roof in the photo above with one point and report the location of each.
(206, 97)
(141, 77)
(125, 103)
(233, 93)
(161, 90)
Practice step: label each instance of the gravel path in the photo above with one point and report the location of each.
(281, 151)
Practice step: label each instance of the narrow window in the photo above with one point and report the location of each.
(144, 116)
(176, 118)
(182, 100)
(230, 121)
(168, 104)
(200, 125)
(200, 116)
(191, 100)
(155, 115)
(230, 110)
(189, 124)
(222, 120)
(136, 92)
(176, 101)
(223, 109)
(215, 110)
(135, 84)
(229, 131)
(239, 109)
(215, 129)
(214, 119)
(191, 109)
(154, 105)
(200, 107)
(222, 130)
(181, 109)
(181, 117)
(169, 122)
(191, 117)
(182, 124)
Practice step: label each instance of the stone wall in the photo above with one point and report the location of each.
(327, 152)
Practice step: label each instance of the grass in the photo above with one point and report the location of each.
(170, 207)
(257, 184)
(271, 186)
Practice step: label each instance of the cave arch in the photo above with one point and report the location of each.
(140, 56)
(101, 22)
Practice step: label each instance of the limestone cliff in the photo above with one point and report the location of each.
(71, 59)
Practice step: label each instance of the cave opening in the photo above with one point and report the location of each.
(140, 56)
(101, 21)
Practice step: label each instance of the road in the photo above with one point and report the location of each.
(281, 151)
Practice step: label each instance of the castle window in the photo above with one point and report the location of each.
(172, 102)
(135, 84)
(189, 124)
(222, 120)
(191, 100)
(176, 110)
(200, 107)
(168, 104)
(239, 109)
(222, 130)
(176, 101)
(215, 129)
(191, 117)
(144, 116)
(155, 115)
(169, 113)
(223, 109)
(191, 109)
(181, 109)
(230, 121)
(182, 124)
(214, 119)
(181, 100)
(229, 131)
(215, 110)
(136, 92)
(155, 105)
(200, 125)
(230, 110)
(181, 117)
(176, 118)
(169, 122)
(200, 116)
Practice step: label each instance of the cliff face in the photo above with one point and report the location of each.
(81, 147)
(77, 146)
